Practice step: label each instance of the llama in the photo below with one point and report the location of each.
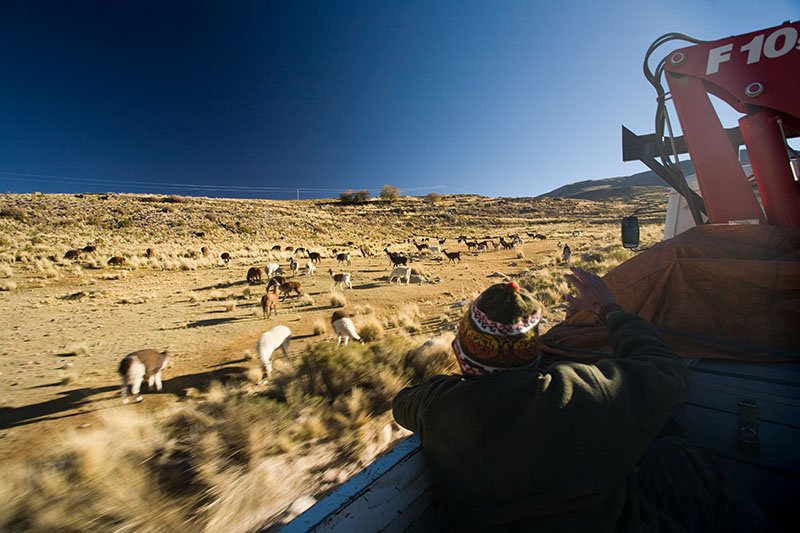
(225, 257)
(310, 268)
(137, 366)
(400, 273)
(300, 250)
(276, 248)
(436, 250)
(116, 261)
(294, 266)
(341, 280)
(344, 327)
(566, 253)
(254, 275)
(343, 258)
(268, 342)
(88, 249)
(72, 254)
(289, 287)
(452, 256)
(315, 257)
(276, 281)
(204, 250)
(269, 301)
(396, 258)
(149, 253)
(273, 268)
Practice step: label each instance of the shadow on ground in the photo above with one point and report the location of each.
(81, 401)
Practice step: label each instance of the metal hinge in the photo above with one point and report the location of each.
(747, 441)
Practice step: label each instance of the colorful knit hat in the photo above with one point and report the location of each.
(500, 331)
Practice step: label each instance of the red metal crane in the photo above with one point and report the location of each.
(758, 74)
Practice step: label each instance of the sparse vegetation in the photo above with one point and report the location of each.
(17, 213)
(370, 329)
(433, 197)
(205, 454)
(338, 299)
(389, 193)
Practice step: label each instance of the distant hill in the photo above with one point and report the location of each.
(624, 187)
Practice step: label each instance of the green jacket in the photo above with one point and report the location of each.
(552, 451)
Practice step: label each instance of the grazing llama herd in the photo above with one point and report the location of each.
(146, 366)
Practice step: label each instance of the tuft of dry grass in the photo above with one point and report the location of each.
(434, 357)
(5, 270)
(7, 285)
(320, 327)
(254, 373)
(68, 378)
(408, 318)
(370, 329)
(338, 299)
(364, 309)
(78, 348)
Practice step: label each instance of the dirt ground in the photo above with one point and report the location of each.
(65, 338)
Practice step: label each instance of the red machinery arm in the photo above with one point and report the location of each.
(758, 74)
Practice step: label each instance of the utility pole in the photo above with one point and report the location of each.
(298, 193)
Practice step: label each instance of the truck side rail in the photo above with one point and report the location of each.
(391, 494)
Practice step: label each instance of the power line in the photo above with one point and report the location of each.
(44, 178)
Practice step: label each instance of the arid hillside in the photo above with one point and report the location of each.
(221, 448)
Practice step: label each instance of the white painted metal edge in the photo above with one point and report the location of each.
(356, 487)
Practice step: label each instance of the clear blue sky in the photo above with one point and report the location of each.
(249, 99)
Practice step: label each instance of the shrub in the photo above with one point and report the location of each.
(370, 329)
(17, 213)
(347, 197)
(433, 197)
(390, 193)
(243, 230)
(174, 199)
(360, 197)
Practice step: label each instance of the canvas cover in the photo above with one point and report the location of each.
(715, 291)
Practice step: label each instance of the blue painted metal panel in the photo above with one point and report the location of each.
(387, 495)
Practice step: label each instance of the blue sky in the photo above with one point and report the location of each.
(257, 99)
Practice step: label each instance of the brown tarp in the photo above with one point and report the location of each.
(715, 291)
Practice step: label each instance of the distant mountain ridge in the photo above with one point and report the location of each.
(616, 188)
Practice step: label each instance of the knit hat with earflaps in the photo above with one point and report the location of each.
(500, 331)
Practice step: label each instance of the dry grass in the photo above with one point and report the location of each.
(205, 463)
(370, 329)
(320, 327)
(213, 460)
(338, 299)
(78, 348)
(408, 317)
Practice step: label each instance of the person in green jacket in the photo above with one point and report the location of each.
(516, 448)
